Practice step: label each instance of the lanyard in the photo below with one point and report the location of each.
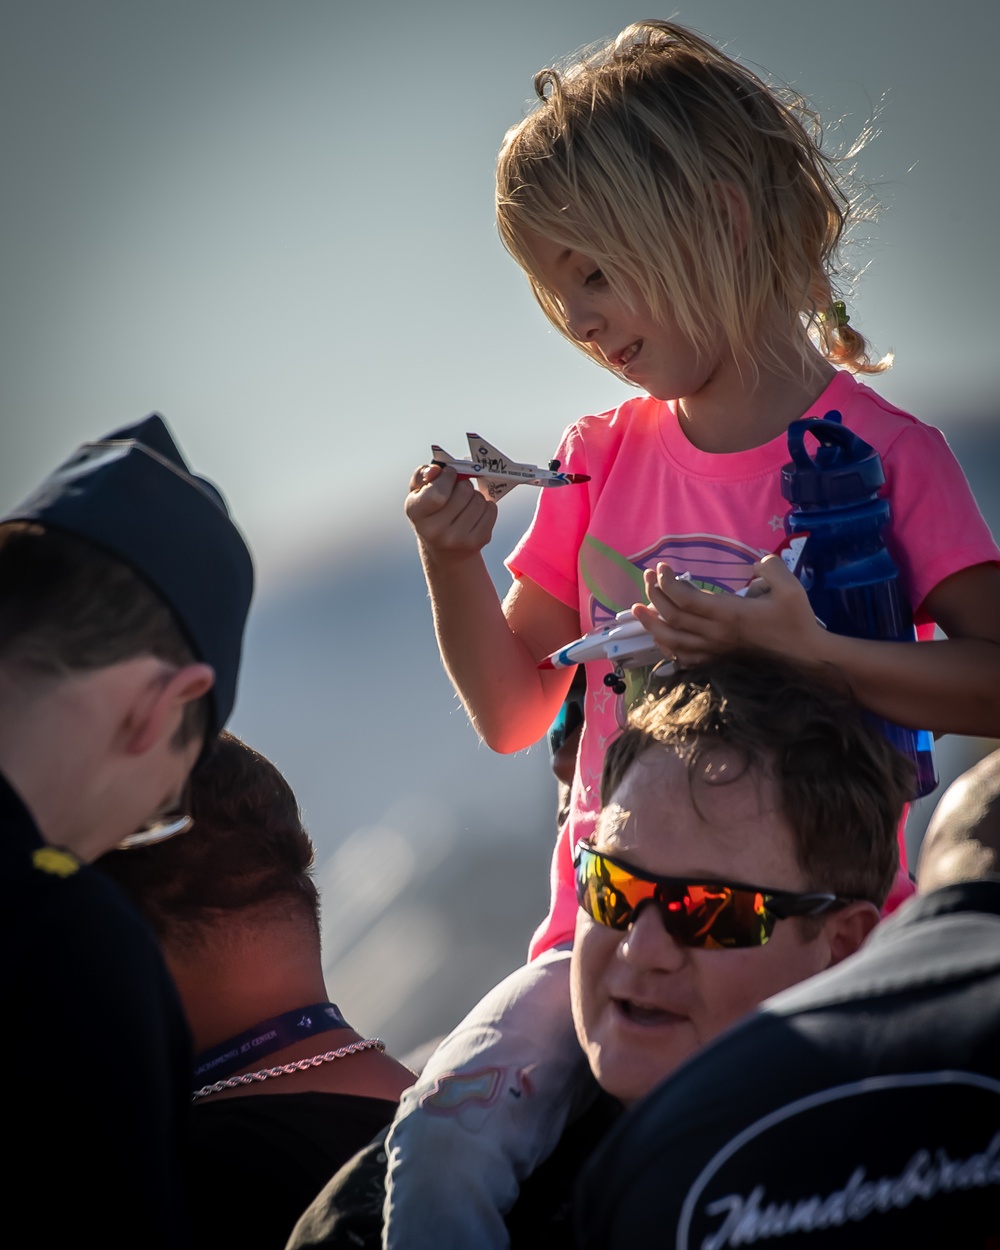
(264, 1039)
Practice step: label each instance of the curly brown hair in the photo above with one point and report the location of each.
(246, 852)
(842, 786)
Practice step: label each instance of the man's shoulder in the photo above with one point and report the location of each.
(902, 1159)
(99, 1022)
(893, 1053)
(932, 941)
(69, 934)
(47, 889)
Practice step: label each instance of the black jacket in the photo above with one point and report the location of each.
(95, 1054)
(859, 1108)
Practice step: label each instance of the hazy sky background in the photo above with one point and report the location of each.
(273, 222)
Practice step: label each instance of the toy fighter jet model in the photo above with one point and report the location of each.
(623, 641)
(496, 475)
(627, 644)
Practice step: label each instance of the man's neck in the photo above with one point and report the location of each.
(228, 986)
(235, 984)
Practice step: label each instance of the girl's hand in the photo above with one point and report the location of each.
(692, 625)
(452, 519)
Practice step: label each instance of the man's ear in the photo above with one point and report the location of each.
(161, 705)
(847, 928)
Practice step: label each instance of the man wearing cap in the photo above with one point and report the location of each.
(861, 1109)
(124, 589)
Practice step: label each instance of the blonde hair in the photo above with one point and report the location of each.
(689, 182)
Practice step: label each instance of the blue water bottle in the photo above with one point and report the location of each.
(849, 576)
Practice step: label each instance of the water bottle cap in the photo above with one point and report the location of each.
(845, 469)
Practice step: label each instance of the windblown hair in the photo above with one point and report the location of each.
(842, 786)
(688, 181)
(67, 607)
(245, 859)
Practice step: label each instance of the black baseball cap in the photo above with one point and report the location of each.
(133, 495)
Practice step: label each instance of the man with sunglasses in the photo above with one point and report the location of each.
(124, 589)
(861, 1109)
(747, 842)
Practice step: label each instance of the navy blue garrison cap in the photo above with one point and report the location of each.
(132, 494)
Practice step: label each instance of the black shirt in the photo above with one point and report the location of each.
(95, 1054)
(259, 1160)
(861, 1108)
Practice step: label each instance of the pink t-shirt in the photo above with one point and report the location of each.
(653, 496)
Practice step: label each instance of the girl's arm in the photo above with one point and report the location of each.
(490, 650)
(951, 686)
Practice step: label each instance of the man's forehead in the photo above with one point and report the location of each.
(706, 770)
(718, 793)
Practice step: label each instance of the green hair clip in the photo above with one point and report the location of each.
(838, 313)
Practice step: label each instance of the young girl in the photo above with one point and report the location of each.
(677, 222)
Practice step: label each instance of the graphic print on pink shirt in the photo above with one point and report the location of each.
(654, 495)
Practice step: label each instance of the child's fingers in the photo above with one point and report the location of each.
(662, 583)
(663, 575)
(711, 617)
(465, 505)
(773, 570)
(756, 588)
(664, 608)
(689, 598)
(668, 632)
(679, 592)
(424, 475)
(784, 588)
(675, 643)
(450, 515)
(692, 625)
(695, 624)
(431, 489)
(475, 516)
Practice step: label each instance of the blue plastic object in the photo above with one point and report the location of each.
(847, 572)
